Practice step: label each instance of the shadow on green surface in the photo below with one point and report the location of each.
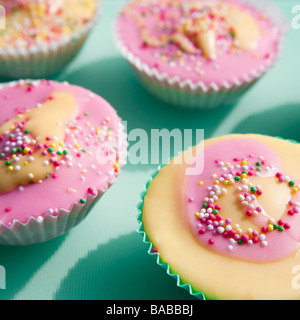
(22, 262)
(282, 121)
(7, 79)
(118, 270)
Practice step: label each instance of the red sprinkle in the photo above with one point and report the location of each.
(264, 229)
(286, 226)
(202, 231)
(211, 241)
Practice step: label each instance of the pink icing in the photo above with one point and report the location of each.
(225, 68)
(279, 244)
(58, 191)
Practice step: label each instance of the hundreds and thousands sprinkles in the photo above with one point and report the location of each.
(17, 143)
(237, 176)
(187, 29)
(39, 22)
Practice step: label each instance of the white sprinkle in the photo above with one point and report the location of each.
(262, 237)
(220, 230)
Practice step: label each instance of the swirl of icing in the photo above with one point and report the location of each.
(32, 144)
(194, 25)
(245, 206)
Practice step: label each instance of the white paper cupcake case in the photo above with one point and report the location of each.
(46, 59)
(48, 227)
(199, 95)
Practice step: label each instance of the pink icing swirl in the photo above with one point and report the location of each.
(221, 235)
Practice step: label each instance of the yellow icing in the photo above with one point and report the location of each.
(47, 120)
(246, 31)
(167, 226)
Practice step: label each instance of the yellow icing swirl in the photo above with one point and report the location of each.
(44, 121)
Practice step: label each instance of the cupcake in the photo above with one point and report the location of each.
(200, 54)
(232, 230)
(60, 150)
(42, 36)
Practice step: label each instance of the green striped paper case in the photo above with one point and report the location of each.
(156, 256)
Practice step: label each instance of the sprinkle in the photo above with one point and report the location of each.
(211, 241)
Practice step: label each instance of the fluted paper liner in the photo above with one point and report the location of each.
(198, 294)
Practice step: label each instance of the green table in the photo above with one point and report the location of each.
(104, 257)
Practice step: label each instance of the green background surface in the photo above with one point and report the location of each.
(104, 257)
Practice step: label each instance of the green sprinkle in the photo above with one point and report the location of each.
(291, 183)
(275, 226)
(215, 211)
(240, 241)
(253, 189)
(82, 201)
(26, 131)
(258, 164)
(258, 169)
(66, 152)
(205, 205)
(237, 178)
(281, 229)
(50, 149)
